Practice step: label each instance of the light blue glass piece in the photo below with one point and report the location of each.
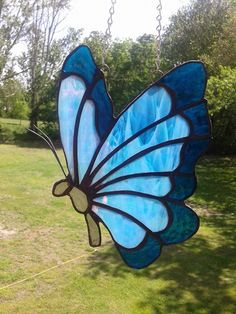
(124, 231)
(88, 138)
(152, 213)
(71, 93)
(158, 186)
(171, 129)
(151, 106)
(163, 159)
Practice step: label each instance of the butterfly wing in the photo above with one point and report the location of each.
(84, 110)
(144, 170)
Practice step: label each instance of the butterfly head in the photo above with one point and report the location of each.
(78, 197)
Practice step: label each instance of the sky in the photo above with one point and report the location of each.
(132, 18)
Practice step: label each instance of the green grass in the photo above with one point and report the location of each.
(13, 130)
(15, 122)
(40, 231)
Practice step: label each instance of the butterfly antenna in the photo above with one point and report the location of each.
(46, 137)
(50, 144)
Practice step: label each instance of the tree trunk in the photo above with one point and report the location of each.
(34, 119)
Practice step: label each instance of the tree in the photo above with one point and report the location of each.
(195, 30)
(132, 68)
(12, 100)
(224, 49)
(95, 41)
(131, 65)
(44, 54)
(221, 95)
(14, 18)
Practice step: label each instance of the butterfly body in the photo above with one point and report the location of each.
(132, 173)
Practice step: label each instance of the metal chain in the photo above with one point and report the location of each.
(107, 37)
(158, 37)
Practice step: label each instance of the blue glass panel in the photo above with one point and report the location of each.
(158, 186)
(171, 129)
(160, 160)
(81, 62)
(185, 224)
(192, 151)
(151, 106)
(144, 256)
(104, 108)
(183, 187)
(199, 119)
(150, 212)
(71, 92)
(88, 138)
(187, 82)
(124, 231)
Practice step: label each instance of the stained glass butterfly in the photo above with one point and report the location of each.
(132, 173)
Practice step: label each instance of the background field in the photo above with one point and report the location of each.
(39, 231)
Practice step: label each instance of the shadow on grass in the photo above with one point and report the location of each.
(196, 277)
(217, 183)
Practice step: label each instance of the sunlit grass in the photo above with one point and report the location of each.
(40, 231)
(15, 122)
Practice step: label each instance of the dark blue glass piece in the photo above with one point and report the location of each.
(187, 81)
(144, 256)
(185, 223)
(104, 118)
(193, 150)
(80, 62)
(183, 188)
(199, 120)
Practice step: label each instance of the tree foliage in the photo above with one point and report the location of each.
(204, 29)
(221, 95)
(195, 31)
(44, 53)
(12, 100)
(14, 18)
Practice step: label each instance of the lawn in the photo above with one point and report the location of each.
(39, 231)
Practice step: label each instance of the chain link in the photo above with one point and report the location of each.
(107, 37)
(158, 37)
